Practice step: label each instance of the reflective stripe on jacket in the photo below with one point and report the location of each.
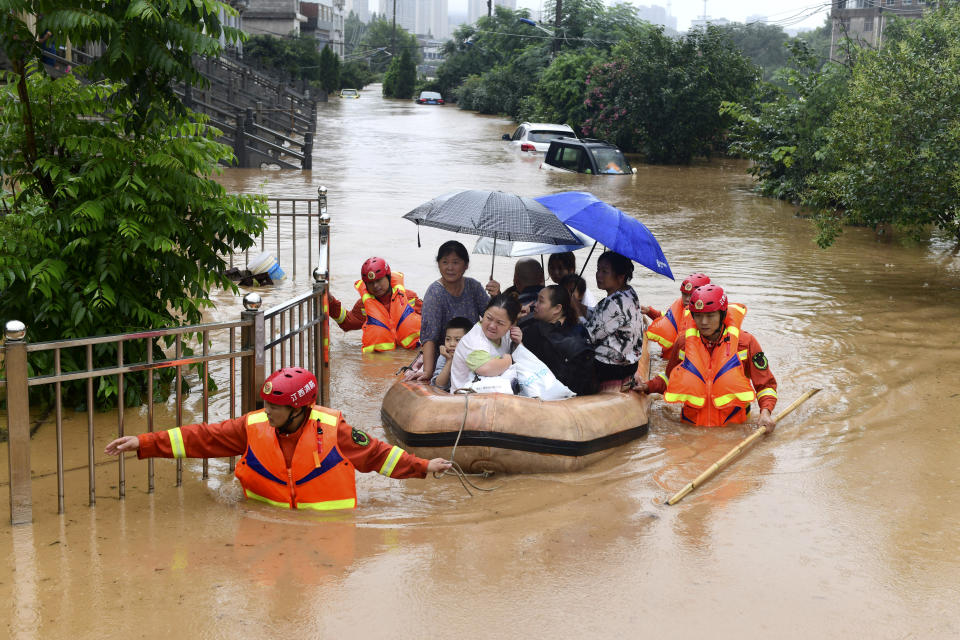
(665, 329)
(320, 476)
(386, 328)
(713, 386)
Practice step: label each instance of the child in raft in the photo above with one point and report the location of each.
(485, 350)
(453, 334)
(577, 288)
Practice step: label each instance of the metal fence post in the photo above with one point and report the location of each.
(307, 151)
(252, 368)
(321, 276)
(18, 422)
(240, 143)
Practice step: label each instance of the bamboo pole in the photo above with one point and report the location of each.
(737, 450)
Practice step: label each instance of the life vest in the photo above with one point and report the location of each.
(713, 387)
(385, 328)
(320, 476)
(665, 329)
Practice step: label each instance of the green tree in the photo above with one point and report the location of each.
(818, 41)
(559, 94)
(379, 45)
(661, 97)
(492, 41)
(894, 142)
(401, 77)
(290, 57)
(147, 45)
(503, 88)
(784, 133)
(763, 44)
(329, 70)
(355, 74)
(112, 222)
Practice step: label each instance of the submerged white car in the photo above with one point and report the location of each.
(535, 137)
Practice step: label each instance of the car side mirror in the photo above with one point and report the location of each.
(505, 136)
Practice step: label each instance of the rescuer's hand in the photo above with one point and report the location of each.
(516, 334)
(766, 420)
(120, 445)
(640, 387)
(334, 306)
(438, 464)
(493, 288)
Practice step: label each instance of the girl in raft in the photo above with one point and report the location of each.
(485, 350)
(553, 334)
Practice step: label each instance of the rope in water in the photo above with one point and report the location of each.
(460, 473)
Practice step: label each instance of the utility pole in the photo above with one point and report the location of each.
(393, 38)
(556, 28)
(489, 8)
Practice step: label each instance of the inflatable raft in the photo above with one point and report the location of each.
(511, 434)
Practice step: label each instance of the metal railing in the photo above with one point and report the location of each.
(290, 236)
(294, 333)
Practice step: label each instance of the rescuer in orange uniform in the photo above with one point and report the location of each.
(296, 455)
(666, 327)
(715, 369)
(388, 313)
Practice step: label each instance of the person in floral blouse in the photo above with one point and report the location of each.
(616, 325)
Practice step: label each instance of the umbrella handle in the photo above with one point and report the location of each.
(588, 258)
(494, 256)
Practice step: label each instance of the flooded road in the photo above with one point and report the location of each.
(844, 524)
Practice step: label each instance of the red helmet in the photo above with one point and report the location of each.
(290, 386)
(374, 269)
(708, 298)
(693, 281)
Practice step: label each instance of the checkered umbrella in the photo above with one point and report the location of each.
(493, 214)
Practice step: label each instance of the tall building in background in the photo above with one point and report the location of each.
(432, 18)
(476, 9)
(655, 14)
(360, 7)
(406, 13)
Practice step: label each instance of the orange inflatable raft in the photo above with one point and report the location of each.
(511, 434)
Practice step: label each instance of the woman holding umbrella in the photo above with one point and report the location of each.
(616, 325)
(453, 295)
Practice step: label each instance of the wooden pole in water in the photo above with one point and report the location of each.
(737, 450)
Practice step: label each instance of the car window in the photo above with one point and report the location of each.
(547, 136)
(429, 95)
(518, 134)
(610, 160)
(569, 158)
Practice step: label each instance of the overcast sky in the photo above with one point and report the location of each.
(790, 14)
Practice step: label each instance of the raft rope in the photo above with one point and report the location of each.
(457, 469)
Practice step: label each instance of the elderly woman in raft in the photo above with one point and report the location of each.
(451, 296)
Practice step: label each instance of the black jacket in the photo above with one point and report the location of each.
(565, 351)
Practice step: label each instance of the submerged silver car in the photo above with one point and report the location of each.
(535, 137)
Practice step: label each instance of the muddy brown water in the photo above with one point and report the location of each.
(844, 524)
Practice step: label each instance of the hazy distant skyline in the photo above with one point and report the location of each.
(792, 14)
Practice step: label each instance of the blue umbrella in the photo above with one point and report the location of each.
(609, 226)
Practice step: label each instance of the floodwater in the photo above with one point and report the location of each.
(844, 524)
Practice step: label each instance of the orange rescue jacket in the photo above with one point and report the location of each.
(713, 387)
(320, 476)
(665, 329)
(386, 328)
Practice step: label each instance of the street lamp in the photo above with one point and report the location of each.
(556, 42)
